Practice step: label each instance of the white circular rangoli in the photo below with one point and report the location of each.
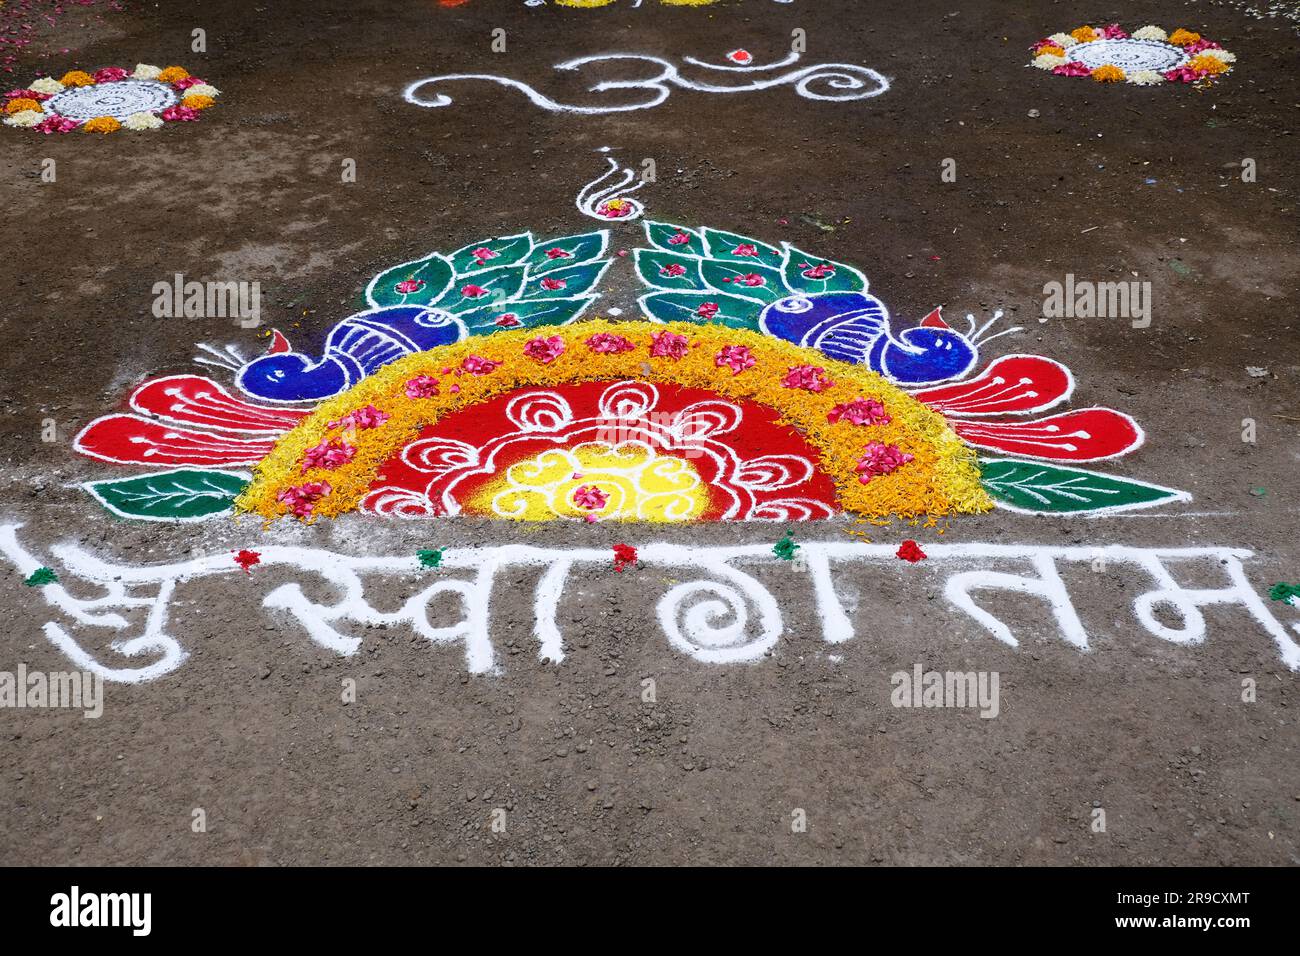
(1129, 55)
(118, 99)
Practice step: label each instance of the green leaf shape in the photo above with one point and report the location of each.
(433, 270)
(659, 234)
(529, 312)
(723, 245)
(732, 313)
(651, 262)
(726, 276)
(1036, 487)
(181, 494)
(578, 280)
(797, 262)
(580, 249)
(500, 285)
(509, 251)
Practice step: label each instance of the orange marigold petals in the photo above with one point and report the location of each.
(77, 78)
(1108, 73)
(1084, 34)
(173, 73)
(101, 124)
(1181, 37)
(1208, 64)
(23, 103)
(1051, 49)
(197, 101)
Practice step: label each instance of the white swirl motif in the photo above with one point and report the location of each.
(539, 412)
(612, 202)
(118, 99)
(844, 82)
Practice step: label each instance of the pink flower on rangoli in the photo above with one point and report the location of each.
(422, 386)
(27, 95)
(472, 291)
(679, 239)
(558, 253)
(553, 285)
(672, 270)
(1200, 45)
(590, 498)
(811, 378)
(735, 357)
(544, 350)
(1073, 68)
(752, 279)
(56, 124)
(607, 343)
(368, 417)
(328, 454)
(483, 254)
(180, 114)
(478, 365)
(507, 321)
(246, 559)
(880, 459)
(707, 310)
(1114, 32)
(407, 286)
(668, 345)
(821, 271)
(301, 499)
(860, 411)
(615, 208)
(624, 556)
(745, 249)
(111, 74)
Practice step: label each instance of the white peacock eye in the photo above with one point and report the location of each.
(795, 304)
(433, 318)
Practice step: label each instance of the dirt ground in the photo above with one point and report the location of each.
(1054, 176)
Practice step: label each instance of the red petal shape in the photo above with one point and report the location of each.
(1088, 434)
(278, 343)
(131, 440)
(1011, 385)
(935, 320)
(195, 400)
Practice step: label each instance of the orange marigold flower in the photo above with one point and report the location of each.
(77, 78)
(172, 74)
(197, 101)
(1052, 49)
(1108, 73)
(101, 124)
(1084, 34)
(23, 103)
(1181, 37)
(1208, 64)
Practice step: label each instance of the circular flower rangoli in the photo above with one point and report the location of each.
(1146, 58)
(109, 100)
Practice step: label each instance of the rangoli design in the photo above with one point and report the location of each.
(109, 100)
(1147, 58)
(758, 383)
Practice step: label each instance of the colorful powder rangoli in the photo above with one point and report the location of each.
(109, 100)
(761, 383)
(1147, 58)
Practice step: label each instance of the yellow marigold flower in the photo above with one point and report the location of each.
(102, 124)
(1052, 50)
(1181, 37)
(23, 103)
(1108, 73)
(197, 101)
(1084, 34)
(172, 74)
(1210, 64)
(77, 78)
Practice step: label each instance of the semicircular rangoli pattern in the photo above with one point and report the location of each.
(761, 382)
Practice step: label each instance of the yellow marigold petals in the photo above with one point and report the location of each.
(1051, 49)
(173, 73)
(1181, 37)
(1108, 73)
(1210, 64)
(23, 103)
(77, 78)
(101, 124)
(197, 101)
(1084, 34)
